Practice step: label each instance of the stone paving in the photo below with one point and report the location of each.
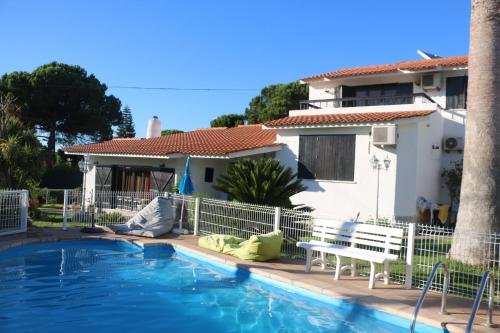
(392, 298)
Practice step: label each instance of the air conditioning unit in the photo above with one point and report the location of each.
(453, 143)
(384, 135)
(430, 82)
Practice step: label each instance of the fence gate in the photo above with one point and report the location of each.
(13, 211)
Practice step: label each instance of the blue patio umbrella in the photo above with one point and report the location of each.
(186, 185)
(185, 188)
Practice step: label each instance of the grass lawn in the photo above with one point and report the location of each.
(52, 220)
(50, 207)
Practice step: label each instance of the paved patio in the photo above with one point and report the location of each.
(393, 298)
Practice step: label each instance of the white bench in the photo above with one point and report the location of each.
(373, 243)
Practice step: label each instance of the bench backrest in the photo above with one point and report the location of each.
(378, 238)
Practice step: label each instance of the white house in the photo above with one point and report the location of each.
(409, 116)
(156, 164)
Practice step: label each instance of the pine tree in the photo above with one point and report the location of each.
(126, 129)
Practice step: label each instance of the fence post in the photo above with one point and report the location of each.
(277, 218)
(65, 210)
(410, 250)
(24, 210)
(196, 216)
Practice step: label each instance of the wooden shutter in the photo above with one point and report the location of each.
(161, 179)
(103, 178)
(308, 152)
(327, 157)
(342, 157)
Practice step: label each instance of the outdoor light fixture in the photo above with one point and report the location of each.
(81, 165)
(374, 162)
(387, 162)
(376, 165)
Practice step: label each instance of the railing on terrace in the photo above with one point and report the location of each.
(13, 211)
(423, 245)
(365, 101)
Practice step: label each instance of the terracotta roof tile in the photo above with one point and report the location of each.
(398, 66)
(345, 118)
(199, 142)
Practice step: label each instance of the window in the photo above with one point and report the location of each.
(140, 179)
(390, 94)
(456, 92)
(209, 175)
(327, 157)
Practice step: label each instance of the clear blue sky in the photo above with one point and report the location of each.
(220, 44)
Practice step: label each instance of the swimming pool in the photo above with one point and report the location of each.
(107, 286)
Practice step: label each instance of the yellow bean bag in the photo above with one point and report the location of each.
(257, 248)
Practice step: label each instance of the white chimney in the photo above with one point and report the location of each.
(154, 128)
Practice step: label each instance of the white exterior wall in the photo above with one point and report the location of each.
(415, 170)
(419, 164)
(416, 162)
(341, 199)
(325, 89)
(197, 165)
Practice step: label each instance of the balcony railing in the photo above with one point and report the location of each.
(365, 101)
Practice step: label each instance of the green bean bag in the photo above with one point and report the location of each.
(257, 248)
(218, 242)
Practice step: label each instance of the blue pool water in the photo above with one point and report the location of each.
(104, 286)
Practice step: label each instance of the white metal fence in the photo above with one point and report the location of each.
(13, 211)
(423, 245)
(104, 208)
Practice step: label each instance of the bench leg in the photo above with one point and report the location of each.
(353, 268)
(323, 260)
(373, 268)
(338, 267)
(308, 260)
(386, 272)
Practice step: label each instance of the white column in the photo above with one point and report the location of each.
(277, 218)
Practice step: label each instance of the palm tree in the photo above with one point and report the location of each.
(19, 149)
(479, 211)
(262, 181)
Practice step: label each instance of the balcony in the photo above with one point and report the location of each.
(418, 98)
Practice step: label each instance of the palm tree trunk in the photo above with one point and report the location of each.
(479, 211)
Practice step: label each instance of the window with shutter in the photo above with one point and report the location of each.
(327, 157)
(103, 178)
(161, 180)
(456, 92)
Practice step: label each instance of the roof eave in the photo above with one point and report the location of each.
(395, 72)
(360, 124)
(229, 155)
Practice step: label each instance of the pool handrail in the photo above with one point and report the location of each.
(433, 273)
(487, 276)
